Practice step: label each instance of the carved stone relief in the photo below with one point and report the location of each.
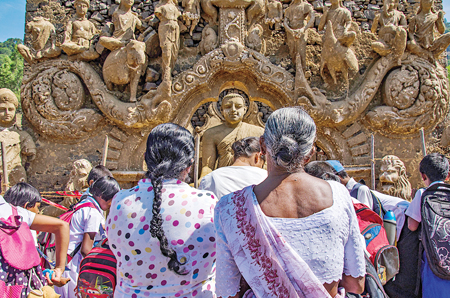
(132, 66)
(393, 179)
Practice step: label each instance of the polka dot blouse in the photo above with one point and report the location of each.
(189, 227)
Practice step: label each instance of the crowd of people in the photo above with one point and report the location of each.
(288, 231)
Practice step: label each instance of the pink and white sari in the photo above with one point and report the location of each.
(267, 262)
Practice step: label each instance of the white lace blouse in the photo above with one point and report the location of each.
(328, 241)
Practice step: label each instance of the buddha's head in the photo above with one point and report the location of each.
(233, 108)
(389, 6)
(81, 7)
(8, 106)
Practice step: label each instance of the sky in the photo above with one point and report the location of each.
(12, 18)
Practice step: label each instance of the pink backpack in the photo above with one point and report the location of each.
(46, 241)
(17, 243)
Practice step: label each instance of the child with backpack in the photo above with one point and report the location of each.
(20, 272)
(429, 210)
(87, 228)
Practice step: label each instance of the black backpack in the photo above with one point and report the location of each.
(435, 231)
(372, 285)
(377, 207)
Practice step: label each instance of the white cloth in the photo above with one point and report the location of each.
(226, 180)
(187, 215)
(328, 241)
(85, 220)
(364, 195)
(415, 207)
(396, 205)
(6, 211)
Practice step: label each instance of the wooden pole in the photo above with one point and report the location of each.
(424, 145)
(372, 161)
(5, 178)
(196, 160)
(105, 151)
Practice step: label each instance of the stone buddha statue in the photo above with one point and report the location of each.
(79, 34)
(18, 143)
(217, 140)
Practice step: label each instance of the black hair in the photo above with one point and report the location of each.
(21, 194)
(105, 187)
(435, 166)
(322, 170)
(98, 172)
(246, 147)
(170, 151)
(343, 174)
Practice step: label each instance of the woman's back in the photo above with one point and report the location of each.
(187, 215)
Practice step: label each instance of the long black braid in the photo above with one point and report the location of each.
(170, 151)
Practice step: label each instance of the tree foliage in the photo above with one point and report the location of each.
(11, 65)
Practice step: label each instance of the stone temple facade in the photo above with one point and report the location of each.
(119, 68)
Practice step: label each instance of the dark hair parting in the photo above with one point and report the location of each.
(170, 151)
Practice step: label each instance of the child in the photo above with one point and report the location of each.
(86, 228)
(97, 173)
(26, 196)
(434, 168)
(14, 282)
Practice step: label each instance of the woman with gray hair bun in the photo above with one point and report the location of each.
(293, 235)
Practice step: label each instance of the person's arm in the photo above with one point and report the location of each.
(440, 22)
(87, 243)
(312, 18)
(413, 224)
(61, 231)
(365, 196)
(375, 23)
(352, 284)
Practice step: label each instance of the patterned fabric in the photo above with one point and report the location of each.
(15, 283)
(266, 261)
(188, 225)
(249, 244)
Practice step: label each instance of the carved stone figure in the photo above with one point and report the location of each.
(393, 180)
(78, 176)
(18, 143)
(125, 23)
(336, 57)
(274, 14)
(423, 40)
(127, 61)
(392, 34)
(191, 13)
(125, 66)
(78, 43)
(254, 39)
(341, 20)
(297, 29)
(254, 9)
(209, 40)
(169, 36)
(43, 41)
(445, 139)
(217, 140)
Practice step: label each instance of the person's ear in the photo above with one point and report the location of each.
(257, 157)
(262, 144)
(26, 205)
(91, 182)
(311, 153)
(424, 177)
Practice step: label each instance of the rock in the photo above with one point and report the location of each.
(188, 42)
(358, 14)
(197, 36)
(152, 75)
(370, 14)
(150, 86)
(373, 7)
(98, 17)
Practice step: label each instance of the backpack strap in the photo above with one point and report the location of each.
(377, 207)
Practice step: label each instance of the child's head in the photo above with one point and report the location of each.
(103, 190)
(97, 173)
(434, 167)
(24, 195)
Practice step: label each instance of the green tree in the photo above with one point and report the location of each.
(11, 65)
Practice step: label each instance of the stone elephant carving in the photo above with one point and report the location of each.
(125, 66)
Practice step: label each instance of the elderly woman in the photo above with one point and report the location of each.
(162, 230)
(293, 235)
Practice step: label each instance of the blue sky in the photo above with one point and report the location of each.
(12, 18)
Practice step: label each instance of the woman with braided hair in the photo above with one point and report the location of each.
(162, 231)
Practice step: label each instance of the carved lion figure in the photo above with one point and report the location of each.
(78, 175)
(393, 180)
